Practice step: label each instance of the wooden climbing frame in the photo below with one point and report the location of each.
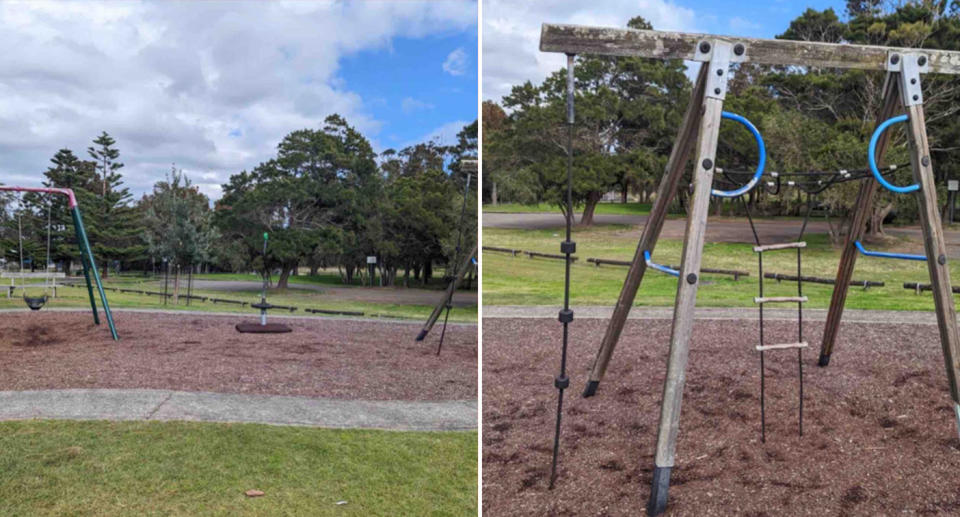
(902, 92)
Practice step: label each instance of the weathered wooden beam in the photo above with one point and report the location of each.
(917, 286)
(676, 164)
(685, 305)
(936, 248)
(858, 223)
(818, 280)
(578, 39)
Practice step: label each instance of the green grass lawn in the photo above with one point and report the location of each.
(602, 208)
(77, 297)
(519, 280)
(187, 469)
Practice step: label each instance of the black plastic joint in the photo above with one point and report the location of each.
(566, 316)
(568, 247)
(562, 382)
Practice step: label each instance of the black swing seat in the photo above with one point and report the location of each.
(35, 303)
(263, 306)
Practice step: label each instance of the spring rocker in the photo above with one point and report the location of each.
(905, 68)
(263, 327)
(86, 257)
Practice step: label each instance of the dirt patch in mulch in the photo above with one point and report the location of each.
(879, 433)
(331, 358)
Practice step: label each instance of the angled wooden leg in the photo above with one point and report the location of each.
(651, 231)
(685, 304)
(858, 224)
(936, 249)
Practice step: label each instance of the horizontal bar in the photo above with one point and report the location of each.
(44, 190)
(579, 39)
(612, 262)
(533, 254)
(785, 346)
(916, 286)
(884, 254)
(779, 299)
(781, 246)
(818, 280)
(658, 267)
(33, 275)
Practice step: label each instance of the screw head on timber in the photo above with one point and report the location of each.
(916, 97)
(704, 47)
(922, 60)
(925, 161)
(716, 91)
(894, 59)
(707, 164)
(719, 71)
(738, 49)
(942, 260)
(692, 278)
(913, 81)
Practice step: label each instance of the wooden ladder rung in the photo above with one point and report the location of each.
(784, 346)
(780, 299)
(782, 246)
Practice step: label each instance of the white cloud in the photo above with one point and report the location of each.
(410, 105)
(511, 33)
(443, 135)
(742, 24)
(456, 62)
(211, 86)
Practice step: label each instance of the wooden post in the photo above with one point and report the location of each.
(687, 283)
(858, 223)
(651, 231)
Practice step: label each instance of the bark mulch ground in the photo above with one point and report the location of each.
(329, 358)
(879, 433)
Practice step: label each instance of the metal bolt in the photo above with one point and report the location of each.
(894, 59)
(704, 47)
(922, 60)
(916, 97)
(738, 49)
(692, 278)
(942, 260)
(717, 91)
(925, 161)
(913, 81)
(719, 71)
(707, 164)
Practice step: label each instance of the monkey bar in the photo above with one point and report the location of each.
(86, 254)
(700, 129)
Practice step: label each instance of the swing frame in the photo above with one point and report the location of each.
(699, 130)
(89, 263)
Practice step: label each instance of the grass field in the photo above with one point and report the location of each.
(180, 469)
(77, 297)
(519, 280)
(602, 208)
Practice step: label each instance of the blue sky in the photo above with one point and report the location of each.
(511, 29)
(407, 88)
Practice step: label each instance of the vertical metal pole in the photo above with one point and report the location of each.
(166, 279)
(567, 247)
(85, 246)
(86, 268)
(263, 292)
(456, 261)
(800, 331)
(189, 284)
(763, 414)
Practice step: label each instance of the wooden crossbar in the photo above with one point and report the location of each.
(578, 39)
(783, 346)
(780, 299)
(782, 246)
(33, 275)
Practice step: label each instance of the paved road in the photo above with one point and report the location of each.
(718, 229)
(163, 405)
(403, 296)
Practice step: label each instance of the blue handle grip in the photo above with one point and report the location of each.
(883, 254)
(761, 150)
(659, 267)
(871, 157)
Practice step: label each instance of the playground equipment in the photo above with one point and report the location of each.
(263, 327)
(459, 271)
(35, 303)
(86, 255)
(904, 67)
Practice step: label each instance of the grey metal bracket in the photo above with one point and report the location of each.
(911, 66)
(719, 66)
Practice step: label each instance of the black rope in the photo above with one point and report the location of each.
(746, 208)
(806, 219)
(567, 247)
(456, 262)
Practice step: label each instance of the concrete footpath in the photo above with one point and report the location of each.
(165, 405)
(713, 313)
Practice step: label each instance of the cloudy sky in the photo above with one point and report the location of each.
(511, 29)
(213, 86)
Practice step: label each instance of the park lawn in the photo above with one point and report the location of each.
(509, 280)
(96, 468)
(602, 208)
(68, 297)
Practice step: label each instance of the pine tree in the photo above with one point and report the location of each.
(68, 171)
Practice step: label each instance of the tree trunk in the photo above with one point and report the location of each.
(176, 287)
(590, 207)
(284, 279)
(623, 193)
(493, 194)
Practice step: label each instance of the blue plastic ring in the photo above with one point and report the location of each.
(761, 150)
(871, 157)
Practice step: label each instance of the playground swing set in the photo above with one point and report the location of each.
(262, 327)
(904, 69)
(90, 273)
